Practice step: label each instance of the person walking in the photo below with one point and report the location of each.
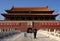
(35, 32)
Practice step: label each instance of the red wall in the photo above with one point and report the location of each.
(22, 26)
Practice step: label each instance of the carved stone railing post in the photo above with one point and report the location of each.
(54, 32)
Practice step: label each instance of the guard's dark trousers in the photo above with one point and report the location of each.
(35, 35)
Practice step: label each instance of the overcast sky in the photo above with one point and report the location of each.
(52, 4)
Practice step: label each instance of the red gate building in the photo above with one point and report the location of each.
(18, 18)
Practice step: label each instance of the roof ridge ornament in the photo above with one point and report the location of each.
(47, 6)
(12, 7)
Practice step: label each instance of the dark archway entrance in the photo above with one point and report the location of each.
(29, 30)
(30, 26)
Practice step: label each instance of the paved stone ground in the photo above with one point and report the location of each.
(20, 37)
(40, 38)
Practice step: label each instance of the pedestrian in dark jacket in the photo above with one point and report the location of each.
(35, 32)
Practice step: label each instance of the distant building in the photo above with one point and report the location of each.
(36, 17)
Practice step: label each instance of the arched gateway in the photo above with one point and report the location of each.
(30, 26)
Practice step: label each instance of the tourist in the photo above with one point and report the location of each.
(35, 32)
